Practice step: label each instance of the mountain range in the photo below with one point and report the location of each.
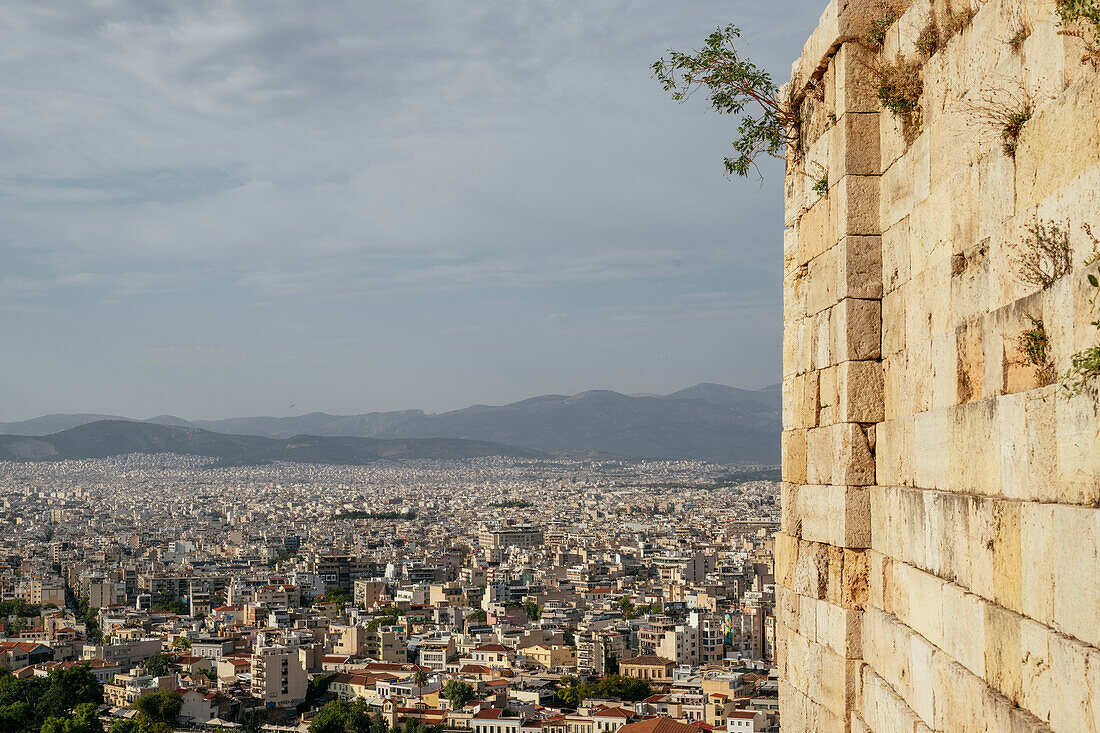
(105, 438)
(705, 422)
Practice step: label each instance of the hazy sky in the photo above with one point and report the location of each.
(228, 208)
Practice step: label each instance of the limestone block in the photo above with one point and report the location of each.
(1077, 572)
(857, 202)
(822, 281)
(856, 151)
(857, 328)
(894, 381)
(816, 231)
(1035, 669)
(856, 91)
(884, 709)
(801, 713)
(894, 452)
(1059, 142)
(922, 681)
(926, 613)
(790, 511)
(860, 391)
(786, 560)
(834, 515)
(800, 401)
(856, 725)
(895, 255)
(964, 628)
(945, 377)
(996, 193)
(920, 377)
(893, 321)
(793, 446)
(1003, 651)
(840, 683)
(840, 630)
(848, 579)
(958, 697)
(906, 182)
(918, 325)
(859, 267)
(1074, 685)
(786, 607)
(946, 551)
(970, 367)
(974, 461)
(827, 396)
(933, 434)
(1077, 448)
(969, 284)
(807, 620)
(1007, 548)
(980, 537)
(937, 290)
(797, 345)
(823, 348)
(930, 232)
(1037, 569)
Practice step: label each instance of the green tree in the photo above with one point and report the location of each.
(734, 86)
(125, 725)
(477, 616)
(534, 610)
(158, 707)
(420, 679)
(67, 689)
(84, 719)
(458, 692)
(157, 665)
(341, 716)
(253, 721)
(15, 716)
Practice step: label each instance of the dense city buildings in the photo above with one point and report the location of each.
(496, 594)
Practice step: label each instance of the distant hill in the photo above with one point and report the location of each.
(705, 422)
(106, 438)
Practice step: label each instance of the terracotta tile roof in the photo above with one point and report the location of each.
(658, 725)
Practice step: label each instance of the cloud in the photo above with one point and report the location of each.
(557, 318)
(383, 172)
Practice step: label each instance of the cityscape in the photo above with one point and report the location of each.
(487, 594)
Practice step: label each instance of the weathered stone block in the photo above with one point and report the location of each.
(859, 387)
(1059, 142)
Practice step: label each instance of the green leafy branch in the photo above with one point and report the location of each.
(736, 86)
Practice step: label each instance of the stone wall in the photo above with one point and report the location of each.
(939, 559)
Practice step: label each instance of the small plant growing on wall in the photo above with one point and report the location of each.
(957, 22)
(733, 85)
(1044, 256)
(821, 187)
(1004, 112)
(928, 42)
(1012, 125)
(1018, 24)
(899, 86)
(1085, 364)
(1081, 19)
(1034, 347)
(872, 21)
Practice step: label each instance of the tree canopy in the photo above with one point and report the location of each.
(26, 704)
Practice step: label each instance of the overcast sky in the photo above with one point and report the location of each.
(215, 209)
